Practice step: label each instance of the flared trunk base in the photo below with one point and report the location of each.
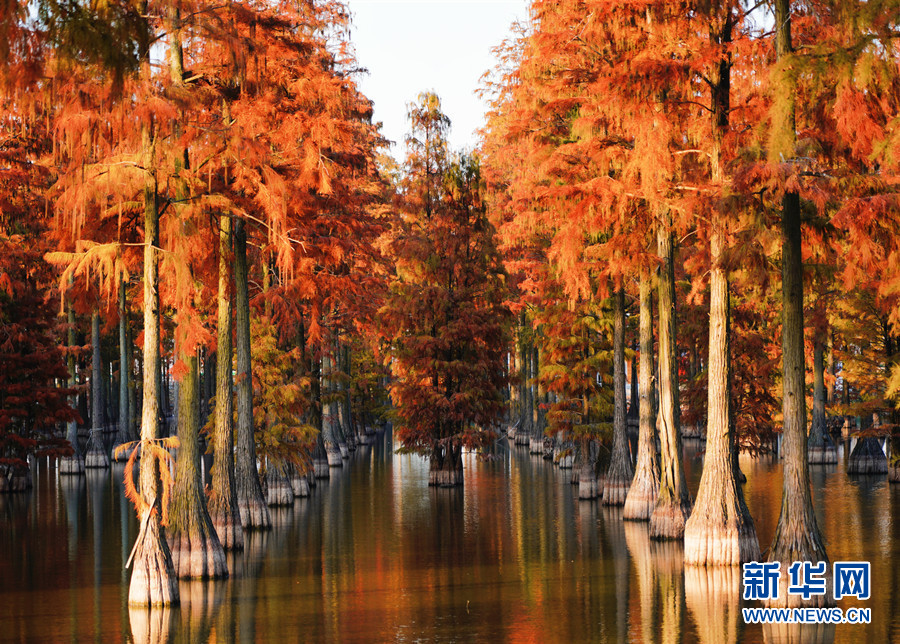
(71, 465)
(198, 556)
(320, 468)
(867, 458)
(708, 542)
(254, 515)
(279, 491)
(96, 459)
(825, 455)
(153, 579)
(641, 498)
(668, 520)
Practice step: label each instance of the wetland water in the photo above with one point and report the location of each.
(374, 555)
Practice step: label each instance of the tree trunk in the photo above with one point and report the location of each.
(673, 505)
(330, 418)
(223, 503)
(251, 502)
(620, 473)
(797, 536)
(126, 429)
(73, 464)
(153, 580)
(645, 487)
(445, 465)
(720, 530)
(523, 435)
(196, 550)
(586, 467)
(820, 447)
(96, 455)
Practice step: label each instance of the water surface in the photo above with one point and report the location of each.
(374, 555)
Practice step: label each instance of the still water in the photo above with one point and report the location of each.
(374, 555)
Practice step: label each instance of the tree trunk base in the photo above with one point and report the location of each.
(254, 515)
(641, 499)
(96, 459)
(691, 431)
(333, 454)
(894, 474)
(70, 465)
(198, 556)
(822, 455)
(712, 542)
(279, 491)
(153, 579)
(366, 438)
(589, 486)
(867, 458)
(299, 484)
(15, 479)
(445, 478)
(511, 432)
(536, 445)
(320, 468)
(226, 521)
(547, 454)
(566, 462)
(615, 490)
(344, 450)
(352, 442)
(522, 438)
(668, 519)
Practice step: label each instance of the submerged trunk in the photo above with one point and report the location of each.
(73, 464)
(445, 465)
(620, 473)
(251, 502)
(96, 455)
(223, 502)
(645, 486)
(797, 536)
(820, 447)
(589, 486)
(720, 530)
(673, 505)
(196, 550)
(153, 580)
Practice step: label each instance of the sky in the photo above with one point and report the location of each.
(412, 46)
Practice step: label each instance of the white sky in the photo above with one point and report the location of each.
(411, 46)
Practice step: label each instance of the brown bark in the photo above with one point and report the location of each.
(673, 505)
(96, 455)
(797, 536)
(223, 503)
(153, 580)
(196, 550)
(251, 502)
(644, 489)
(720, 530)
(620, 473)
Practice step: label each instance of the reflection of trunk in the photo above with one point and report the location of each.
(196, 550)
(96, 455)
(72, 464)
(252, 504)
(797, 536)
(445, 465)
(674, 502)
(669, 565)
(153, 580)
(645, 486)
(637, 539)
(151, 625)
(713, 596)
(223, 503)
(618, 477)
